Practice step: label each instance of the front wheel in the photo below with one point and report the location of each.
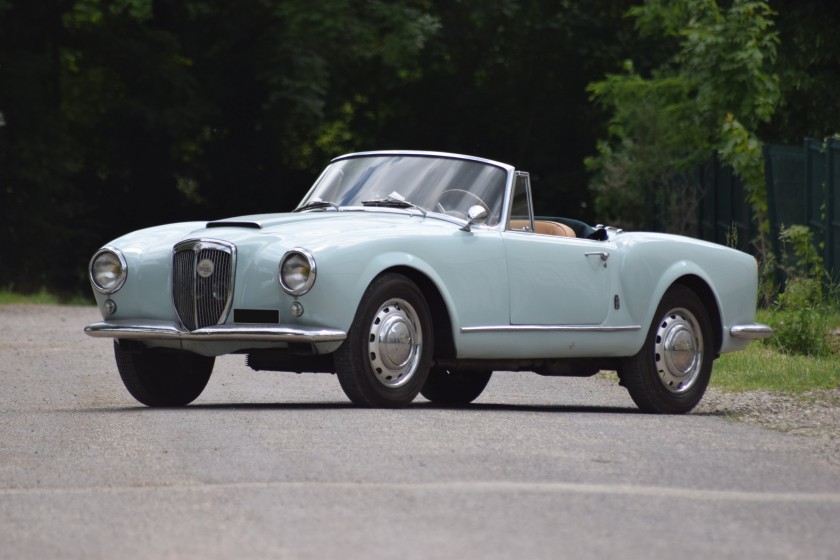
(455, 387)
(163, 377)
(670, 373)
(384, 362)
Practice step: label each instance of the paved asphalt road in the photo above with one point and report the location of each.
(276, 465)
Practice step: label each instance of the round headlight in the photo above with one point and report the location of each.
(297, 272)
(107, 270)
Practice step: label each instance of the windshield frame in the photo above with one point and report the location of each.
(508, 170)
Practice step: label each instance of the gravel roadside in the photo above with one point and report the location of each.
(814, 415)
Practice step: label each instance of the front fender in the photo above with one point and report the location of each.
(395, 260)
(468, 270)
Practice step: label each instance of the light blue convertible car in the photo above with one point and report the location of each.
(421, 272)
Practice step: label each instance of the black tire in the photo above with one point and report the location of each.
(385, 360)
(454, 387)
(670, 373)
(163, 377)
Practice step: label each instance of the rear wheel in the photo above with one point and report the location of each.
(671, 372)
(163, 377)
(384, 362)
(455, 387)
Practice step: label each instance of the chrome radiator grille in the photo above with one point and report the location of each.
(202, 282)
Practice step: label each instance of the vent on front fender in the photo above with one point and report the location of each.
(202, 281)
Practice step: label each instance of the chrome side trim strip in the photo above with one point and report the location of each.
(548, 328)
(162, 330)
(755, 331)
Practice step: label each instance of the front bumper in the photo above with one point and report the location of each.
(325, 340)
(754, 331)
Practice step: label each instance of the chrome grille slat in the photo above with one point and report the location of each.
(202, 301)
(183, 287)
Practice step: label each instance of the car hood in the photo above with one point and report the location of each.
(312, 230)
(315, 228)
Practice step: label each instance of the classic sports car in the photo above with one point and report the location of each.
(421, 272)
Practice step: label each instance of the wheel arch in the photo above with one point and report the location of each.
(441, 319)
(709, 301)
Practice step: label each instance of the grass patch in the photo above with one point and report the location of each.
(42, 298)
(760, 367)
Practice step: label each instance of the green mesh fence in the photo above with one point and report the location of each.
(802, 188)
(725, 216)
(802, 184)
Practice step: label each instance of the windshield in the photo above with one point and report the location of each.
(434, 184)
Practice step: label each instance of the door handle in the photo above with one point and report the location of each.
(602, 254)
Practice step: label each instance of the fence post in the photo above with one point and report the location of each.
(815, 203)
(832, 209)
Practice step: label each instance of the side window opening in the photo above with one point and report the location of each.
(521, 209)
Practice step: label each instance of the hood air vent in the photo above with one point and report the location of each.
(223, 223)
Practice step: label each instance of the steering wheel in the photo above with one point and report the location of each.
(460, 193)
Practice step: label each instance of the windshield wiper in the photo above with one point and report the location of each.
(394, 200)
(315, 204)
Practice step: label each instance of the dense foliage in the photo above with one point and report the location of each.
(800, 314)
(732, 75)
(119, 114)
(708, 97)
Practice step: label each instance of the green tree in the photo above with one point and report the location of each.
(710, 95)
(809, 70)
(118, 114)
(507, 80)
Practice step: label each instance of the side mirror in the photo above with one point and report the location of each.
(477, 215)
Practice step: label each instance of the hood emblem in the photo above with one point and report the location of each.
(205, 268)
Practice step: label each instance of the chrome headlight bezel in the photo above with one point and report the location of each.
(291, 285)
(118, 260)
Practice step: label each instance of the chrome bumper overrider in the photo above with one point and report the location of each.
(167, 330)
(754, 331)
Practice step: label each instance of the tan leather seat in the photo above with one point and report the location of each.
(554, 228)
(545, 227)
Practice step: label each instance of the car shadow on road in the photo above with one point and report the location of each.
(412, 408)
(553, 408)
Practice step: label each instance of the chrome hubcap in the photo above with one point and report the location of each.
(394, 343)
(678, 350)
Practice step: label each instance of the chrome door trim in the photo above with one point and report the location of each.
(547, 328)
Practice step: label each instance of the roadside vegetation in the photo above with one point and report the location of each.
(43, 297)
(761, 367)
(804, 352)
